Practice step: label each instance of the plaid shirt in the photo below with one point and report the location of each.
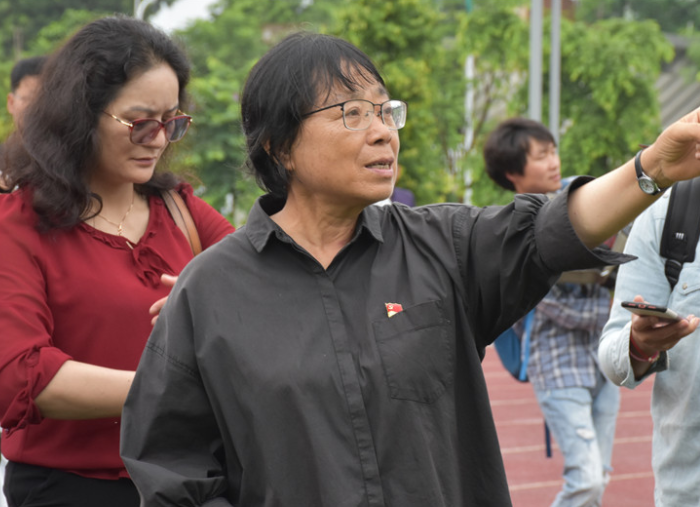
(565, 333)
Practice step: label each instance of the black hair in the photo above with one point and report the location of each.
(26, 67)
(506, 148)
(52, 153)
(286, 83)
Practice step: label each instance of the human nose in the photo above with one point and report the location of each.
(160, 137)
(378, 129)
(554, 160)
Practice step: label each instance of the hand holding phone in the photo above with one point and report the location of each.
(651, 310)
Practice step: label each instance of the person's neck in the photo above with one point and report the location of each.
(321, 230)
(115, 199)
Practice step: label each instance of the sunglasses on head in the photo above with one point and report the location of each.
(144, 131)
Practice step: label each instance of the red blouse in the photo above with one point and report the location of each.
(80, 294)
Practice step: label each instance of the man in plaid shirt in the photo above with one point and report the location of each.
(578, 402)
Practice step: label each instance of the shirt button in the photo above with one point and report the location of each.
(685, 286)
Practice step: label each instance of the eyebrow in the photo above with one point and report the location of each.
(380, 90)
(150, 112)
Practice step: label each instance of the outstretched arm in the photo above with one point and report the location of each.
(604, 206)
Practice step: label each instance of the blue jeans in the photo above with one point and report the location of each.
(582, 422)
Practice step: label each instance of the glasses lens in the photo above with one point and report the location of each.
(143, 131)
(394, 114)
(357, 114)
(176, 128)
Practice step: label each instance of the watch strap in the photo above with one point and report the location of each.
(646, 183)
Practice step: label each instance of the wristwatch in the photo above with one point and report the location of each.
(647, 184)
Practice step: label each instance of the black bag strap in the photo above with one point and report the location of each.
(681, 229)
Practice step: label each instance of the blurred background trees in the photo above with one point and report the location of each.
(611, 55)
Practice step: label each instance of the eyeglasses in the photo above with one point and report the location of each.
(358, 113)
(144, 131)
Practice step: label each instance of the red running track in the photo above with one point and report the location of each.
(533, 479)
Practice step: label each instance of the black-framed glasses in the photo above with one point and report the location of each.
(358, 113)
(145, 130)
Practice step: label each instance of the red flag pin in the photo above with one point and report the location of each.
(393, 308)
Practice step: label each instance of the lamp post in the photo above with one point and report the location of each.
(469, 73)
(535, 74)
(555, 70)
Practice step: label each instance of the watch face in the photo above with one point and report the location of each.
(647, 186)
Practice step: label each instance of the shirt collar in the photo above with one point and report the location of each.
(260, 227)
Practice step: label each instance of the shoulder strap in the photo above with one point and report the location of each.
(525, 345)
(681, 229)
(183, 218)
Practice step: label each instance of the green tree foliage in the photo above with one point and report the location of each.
(671, 15)
(498, 39)
(406, 40)
(21, 20)
(608, 101)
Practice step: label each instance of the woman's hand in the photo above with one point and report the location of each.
(168, 281)
(675, 155)
(604, 206)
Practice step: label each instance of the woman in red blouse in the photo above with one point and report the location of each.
(85, 239)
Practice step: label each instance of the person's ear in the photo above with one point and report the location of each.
(515, 179)
(11, 104)
(284, 158)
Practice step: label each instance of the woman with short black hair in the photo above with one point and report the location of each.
(328, 353)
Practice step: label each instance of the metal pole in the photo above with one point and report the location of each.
(535, 83)
(555, 70)
(469, 73)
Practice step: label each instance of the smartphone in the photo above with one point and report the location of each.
(648, 309)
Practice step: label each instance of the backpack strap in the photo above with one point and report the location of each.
(527, 332)
(681, 229)
(183, 218)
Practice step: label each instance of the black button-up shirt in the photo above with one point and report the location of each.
(270, 381)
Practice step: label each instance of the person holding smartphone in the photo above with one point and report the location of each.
(633, 347)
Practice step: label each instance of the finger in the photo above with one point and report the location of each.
(666, 337)
(648, 323)
(157, 306)
(168, 280)
(692, 322)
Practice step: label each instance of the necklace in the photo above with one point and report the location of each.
(120, 225)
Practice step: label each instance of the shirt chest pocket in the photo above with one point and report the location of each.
(685, 298)
(416, 351)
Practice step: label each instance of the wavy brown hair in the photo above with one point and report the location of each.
(53, 151)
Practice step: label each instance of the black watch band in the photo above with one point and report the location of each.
(647, 184)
